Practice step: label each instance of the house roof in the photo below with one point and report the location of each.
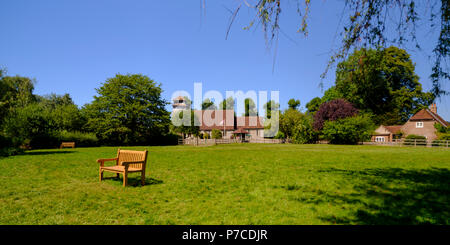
(426, 114)
(251, 122)
(178, 98)
(215, 119)
(240, 131)
(394, 129)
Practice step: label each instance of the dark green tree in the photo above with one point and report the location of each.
(271, 106)
(185, 125)
(128, 110)
(250, 107)
(313, 105)
(293, 104)
(227, 104)
(207, 104)
(382, 82)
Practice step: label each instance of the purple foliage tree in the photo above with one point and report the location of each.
(333, 110)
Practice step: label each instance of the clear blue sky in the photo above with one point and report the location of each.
(74, 46)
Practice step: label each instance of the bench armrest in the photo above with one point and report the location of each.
(102, 161)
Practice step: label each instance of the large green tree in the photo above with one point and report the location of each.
(227, 104)
(250, 108)
(382, 82)
(207, 104)
(15, 91)
(128, 110)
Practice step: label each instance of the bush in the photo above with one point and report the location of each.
(205, 136)
(413, 139)
(280, 135)
(332, 111)
(80, 138)
(303, 132)
(444, 136)
(7, 148)
(350, 130)
(216, 134)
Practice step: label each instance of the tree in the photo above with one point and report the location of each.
(250, 108)
(349, 130)
(293, 104)
(288, 121)
(313, 105)
(185, 125)
(382, 82)
(227, 104)
(303, 131)
(128, 110)
(216, 134)
(332, 111)
(368, 26)
(16, 91)
(207, 104)
(271, 106)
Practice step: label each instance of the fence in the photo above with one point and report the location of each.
(197, 141)
(413, 142)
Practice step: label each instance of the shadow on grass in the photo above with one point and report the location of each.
(36, 153)
(135, 181)
(393, 196)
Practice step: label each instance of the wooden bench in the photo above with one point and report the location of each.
(126, 162)
(67, 144)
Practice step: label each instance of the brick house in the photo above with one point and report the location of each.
(421, 123)
(228, 123)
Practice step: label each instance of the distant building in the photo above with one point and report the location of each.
(421, 123)
(229, 124)
(180, 103)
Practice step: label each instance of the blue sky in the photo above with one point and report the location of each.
(74, 46)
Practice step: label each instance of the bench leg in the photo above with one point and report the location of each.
(100, 174)
(125, 179)
(117, 175)
(143, 178)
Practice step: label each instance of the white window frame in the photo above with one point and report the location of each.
(419, 124)
(380, 139)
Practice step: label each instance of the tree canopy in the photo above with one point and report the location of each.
(128, 110)
(293, 104)
(207, 104)
(382, 82)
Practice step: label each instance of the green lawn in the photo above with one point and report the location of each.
(232, 184)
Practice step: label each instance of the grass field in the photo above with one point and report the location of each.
(232, 184)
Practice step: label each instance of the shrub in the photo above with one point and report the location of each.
(216, 134)
(280, 135)
(80, 138)
(303, 132)
(333, 110)
(413, 139)
(444, 136)
(7, 148)
(350, 130)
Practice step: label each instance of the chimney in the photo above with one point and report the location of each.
(433, 108)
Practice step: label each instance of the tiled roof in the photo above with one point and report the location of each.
(216, 119)
(394, 129)
(422, 115)
(240, 131)
(426, 114)
(252, 122)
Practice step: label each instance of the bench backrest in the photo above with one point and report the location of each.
(68, 144)
(132, 156)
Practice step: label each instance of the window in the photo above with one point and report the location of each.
(419, 124)
(379, 139)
